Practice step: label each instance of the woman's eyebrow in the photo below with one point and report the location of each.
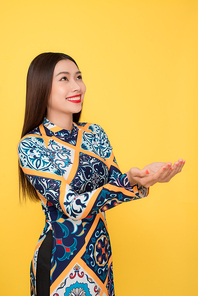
(64, 72)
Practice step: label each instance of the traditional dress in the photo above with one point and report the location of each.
(77, 179)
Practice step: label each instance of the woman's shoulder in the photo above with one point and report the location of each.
(90, 127)
(33, 137)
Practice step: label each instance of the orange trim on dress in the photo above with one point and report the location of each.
(76, 158)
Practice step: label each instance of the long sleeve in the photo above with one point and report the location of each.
(51, 179)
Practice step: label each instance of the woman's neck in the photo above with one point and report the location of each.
(64, 121)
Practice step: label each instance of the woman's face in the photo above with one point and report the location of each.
(67, 92)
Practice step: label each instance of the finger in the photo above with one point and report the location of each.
(167, 172)
(176, 168)
(136, 172)
(178, 165)
(167, 167)
(182, 162)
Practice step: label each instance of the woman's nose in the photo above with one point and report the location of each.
(75, 85)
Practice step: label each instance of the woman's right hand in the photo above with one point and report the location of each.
(155, 172)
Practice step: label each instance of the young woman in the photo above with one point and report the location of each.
(71, 169)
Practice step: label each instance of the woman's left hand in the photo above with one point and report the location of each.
(155, 172)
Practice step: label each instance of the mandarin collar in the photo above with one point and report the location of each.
(56, 129)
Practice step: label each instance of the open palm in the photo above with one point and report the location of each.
(155, 172)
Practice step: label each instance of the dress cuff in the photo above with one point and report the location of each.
(143, 191)
(139, 191)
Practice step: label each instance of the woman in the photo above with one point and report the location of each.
(70, 168)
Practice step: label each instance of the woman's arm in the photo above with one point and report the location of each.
(42, 172)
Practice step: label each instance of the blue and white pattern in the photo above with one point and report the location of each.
(98, 251)
(96, 142)
(76, 183)
(75, 204)
(35, 131)
(107, 200)
(49, 188)
(91, 174)
(33, 155)
(62, 157)
(102, 139)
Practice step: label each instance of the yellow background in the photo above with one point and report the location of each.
(139, 60)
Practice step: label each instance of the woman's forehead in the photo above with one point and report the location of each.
(65, 66)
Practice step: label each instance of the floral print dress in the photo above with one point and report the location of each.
(77, 179)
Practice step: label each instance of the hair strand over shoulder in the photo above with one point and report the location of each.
(38, 89)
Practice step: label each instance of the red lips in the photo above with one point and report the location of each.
(74, 101)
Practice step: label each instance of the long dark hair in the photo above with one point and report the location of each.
(38, 89)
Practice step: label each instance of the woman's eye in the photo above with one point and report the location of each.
(64, 78)
(79, 77)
